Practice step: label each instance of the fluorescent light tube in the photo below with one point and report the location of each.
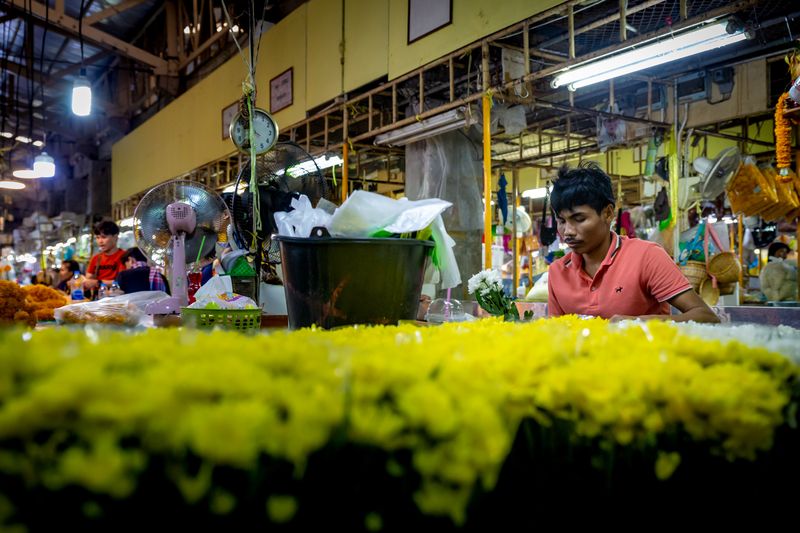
(541, 192)
(671, 48)
(424, 129)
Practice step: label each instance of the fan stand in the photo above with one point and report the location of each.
(180, 291)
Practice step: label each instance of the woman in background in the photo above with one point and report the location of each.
(66, 273)
(779, 276)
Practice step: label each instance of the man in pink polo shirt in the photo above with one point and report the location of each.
(607, 275)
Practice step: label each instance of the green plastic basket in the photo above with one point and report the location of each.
(232, 319)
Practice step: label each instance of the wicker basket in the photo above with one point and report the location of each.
(708, 292)
(725, 267)
(726, 288)
(232, 319)
(695, 272)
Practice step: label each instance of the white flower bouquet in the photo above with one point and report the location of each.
(487, 286)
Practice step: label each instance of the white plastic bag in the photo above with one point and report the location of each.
(448, 266)
(124, 310)
(302, 219)
(217, 293)
(364, 214)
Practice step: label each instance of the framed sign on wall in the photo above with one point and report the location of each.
(280, 91)
(227, 117)
(427, 16)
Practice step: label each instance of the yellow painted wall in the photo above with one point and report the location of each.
(472, 20)
(282, 47)
(366, 42)
(184, 135)
(324, 65)
(528, 179)
(187, 133)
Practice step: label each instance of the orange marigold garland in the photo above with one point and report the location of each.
(783, 136)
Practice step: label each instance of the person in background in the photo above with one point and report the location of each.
(607, 275)
(138, 275)
(207, 266)
(54, 277)
(107, 263)
(779, 276)
(65, 273)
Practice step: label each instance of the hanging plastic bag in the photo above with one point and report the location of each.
(548, 232)
(750, 192)
(787, 197)
(610, 131)
(444, 255)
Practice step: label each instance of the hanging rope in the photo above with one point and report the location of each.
(250, 67)
(253, 178)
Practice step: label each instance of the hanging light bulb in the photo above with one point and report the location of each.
(82, 95)
(44, 166)
(25, 174)
(11, 185)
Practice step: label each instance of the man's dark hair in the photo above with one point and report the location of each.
(776, 247)
(585, 185)
(72, 265)
(106, 227)
(134, 253)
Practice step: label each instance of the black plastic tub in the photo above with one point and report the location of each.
(335, 282)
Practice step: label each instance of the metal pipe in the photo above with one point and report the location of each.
(514, 240)
(571, 26)
(600, 22)
(741, 258)
(487, 182)
(674, 166)
(487, 161)
(345, 153)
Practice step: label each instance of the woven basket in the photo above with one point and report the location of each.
(725, 267)
(726, 288)
(708, 292)
(695, 272)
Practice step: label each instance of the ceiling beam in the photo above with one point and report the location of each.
(72, 69)
(110, 11)
(93, 35)
(22, 70)
(205, 46)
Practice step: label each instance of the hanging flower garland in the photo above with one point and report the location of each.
(783, 136)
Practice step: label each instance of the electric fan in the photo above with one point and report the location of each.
(712, 176)
(524, 222)
(176, 221)
(283, 173)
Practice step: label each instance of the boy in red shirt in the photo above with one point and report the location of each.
(107, 263)
(607, 275)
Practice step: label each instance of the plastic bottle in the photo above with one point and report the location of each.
(114, 290)
(76, 287)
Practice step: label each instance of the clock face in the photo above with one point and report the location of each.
(265, 132)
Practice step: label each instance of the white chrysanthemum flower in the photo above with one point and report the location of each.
(476, 280)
